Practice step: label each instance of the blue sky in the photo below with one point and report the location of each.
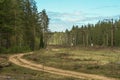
(65, 13)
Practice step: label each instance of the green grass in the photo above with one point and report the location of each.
(94, 61)
(15, 72)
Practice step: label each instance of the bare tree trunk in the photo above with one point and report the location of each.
(86, 39)
(83, 38)
(107, 39)
(112, 34)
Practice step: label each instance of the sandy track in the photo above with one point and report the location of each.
(18, 60)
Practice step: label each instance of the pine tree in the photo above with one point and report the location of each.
(44, 24)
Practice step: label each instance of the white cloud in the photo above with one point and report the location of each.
(63, 21)
(67, 17)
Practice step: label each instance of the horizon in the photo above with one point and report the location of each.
(64, 14)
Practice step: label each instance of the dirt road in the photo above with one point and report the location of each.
(18, 60)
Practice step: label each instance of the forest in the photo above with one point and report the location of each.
(22, 27)
(104, 33)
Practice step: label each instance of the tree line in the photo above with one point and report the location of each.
(22, 27)
(104, 33)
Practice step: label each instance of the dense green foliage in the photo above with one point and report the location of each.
(22, 27)
(104, 33)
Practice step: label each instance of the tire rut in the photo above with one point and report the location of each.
(18, 60)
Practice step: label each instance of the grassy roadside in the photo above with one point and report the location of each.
(14, 72)
(94, 61)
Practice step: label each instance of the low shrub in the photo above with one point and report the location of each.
(3, 50)
(19, 49)
(90, 67)
(15, 49)
(61, 55)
